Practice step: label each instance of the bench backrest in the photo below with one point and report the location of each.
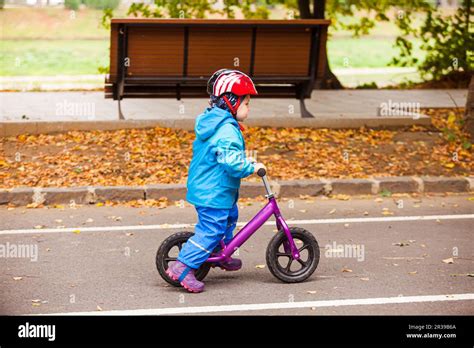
(181, 54)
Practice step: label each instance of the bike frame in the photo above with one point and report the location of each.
(271, 208)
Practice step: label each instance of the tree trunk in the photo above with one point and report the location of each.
(329, 80)
(303, 6)
(469, 113)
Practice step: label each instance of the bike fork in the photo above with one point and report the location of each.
(289, 244)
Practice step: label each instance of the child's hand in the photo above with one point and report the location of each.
(251, 159)
(258, 166)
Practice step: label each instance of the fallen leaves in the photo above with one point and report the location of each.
(160, 155)
(341, 197)
(404, 243)
(450, 260)
(115, 218)
(260, 266)
(34, 205)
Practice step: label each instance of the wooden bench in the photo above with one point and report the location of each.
(174, 58)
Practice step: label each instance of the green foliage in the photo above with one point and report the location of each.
(446, 39)
(371, 85)
(102, 4)
(72, 4)
(103, 69)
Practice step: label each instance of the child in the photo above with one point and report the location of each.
(218, 164)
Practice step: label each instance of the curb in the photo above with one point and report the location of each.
(283, 188)
(13, 128)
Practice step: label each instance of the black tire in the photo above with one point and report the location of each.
(163, 257)
(308, 264)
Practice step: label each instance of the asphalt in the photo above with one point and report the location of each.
(105, 270)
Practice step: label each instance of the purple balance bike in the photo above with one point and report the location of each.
(292, 254)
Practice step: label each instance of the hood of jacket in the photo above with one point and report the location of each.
(210, 120)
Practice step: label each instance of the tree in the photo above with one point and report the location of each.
(435, 32)
(448, 44)
(469, 113)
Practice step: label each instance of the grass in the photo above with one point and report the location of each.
(74, 57)
(58, 57)
(51, 23)
(364, 52)
(54, 41)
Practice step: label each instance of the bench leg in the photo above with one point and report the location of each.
(304, 112)
(121, 117)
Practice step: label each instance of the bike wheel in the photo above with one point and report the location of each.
(293, 271)
(168, 252)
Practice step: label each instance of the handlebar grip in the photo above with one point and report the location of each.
(261, 172)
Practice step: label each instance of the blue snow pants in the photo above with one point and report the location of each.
(213, 226)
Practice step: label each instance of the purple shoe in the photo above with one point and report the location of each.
(183, 274)
(230, 265)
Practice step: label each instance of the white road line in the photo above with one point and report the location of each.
(290, 222)
(281, 305)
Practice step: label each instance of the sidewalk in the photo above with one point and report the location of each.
(332, 109)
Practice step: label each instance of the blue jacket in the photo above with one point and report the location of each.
(218, 162)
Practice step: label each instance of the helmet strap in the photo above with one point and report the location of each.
(233, 110)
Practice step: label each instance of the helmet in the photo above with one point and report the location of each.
(230, 81)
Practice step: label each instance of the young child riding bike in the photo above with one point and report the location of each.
(217, 166)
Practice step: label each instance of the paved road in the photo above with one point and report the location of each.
(113, 269)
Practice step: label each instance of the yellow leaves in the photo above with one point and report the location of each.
(260, 266)
(160, 155)
(341, 197)
(448, 261)
(34, 205)
(386, 212)
(449, 165)
(451, 119)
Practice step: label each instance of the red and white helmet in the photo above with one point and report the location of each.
(233, 81)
